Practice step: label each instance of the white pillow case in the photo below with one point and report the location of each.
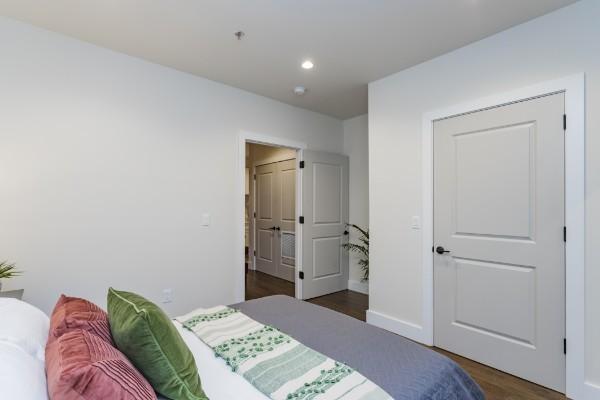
(24, 326)
(22, 376)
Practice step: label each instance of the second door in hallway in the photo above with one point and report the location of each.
(275, 225)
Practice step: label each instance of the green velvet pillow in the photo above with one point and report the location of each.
(143, 332)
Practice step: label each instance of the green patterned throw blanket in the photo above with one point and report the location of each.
(276, 364)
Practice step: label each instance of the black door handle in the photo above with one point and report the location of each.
(440, 250)
(277, 228)
(273, 228)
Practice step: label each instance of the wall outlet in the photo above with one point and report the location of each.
(167, 295)
(415, 222)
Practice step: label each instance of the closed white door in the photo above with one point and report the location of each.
(267, 256)
(286, 228)
(276, 219)
(499, 214)
(325, 211)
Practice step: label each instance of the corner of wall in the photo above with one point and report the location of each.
(358, 286)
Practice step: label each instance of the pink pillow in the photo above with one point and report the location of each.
(81, 366)
(74, 313)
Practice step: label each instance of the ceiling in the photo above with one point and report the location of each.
(352, 42)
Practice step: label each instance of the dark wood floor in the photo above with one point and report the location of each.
(497, 385)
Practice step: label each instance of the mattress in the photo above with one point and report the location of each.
(404, 369)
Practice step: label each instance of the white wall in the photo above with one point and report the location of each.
(557, 45)
(107, 163)
(356, 146)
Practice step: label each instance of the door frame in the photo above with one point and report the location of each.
(239, 257)
(574, 88)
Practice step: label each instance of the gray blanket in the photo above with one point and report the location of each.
(404, 369)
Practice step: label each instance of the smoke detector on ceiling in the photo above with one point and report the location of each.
(299, 90)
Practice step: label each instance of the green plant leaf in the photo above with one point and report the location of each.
(8, 270)
(361, 248)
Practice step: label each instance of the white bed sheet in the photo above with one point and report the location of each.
(218, 381)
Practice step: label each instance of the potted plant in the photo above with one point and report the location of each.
(361, 248)
(7, 271)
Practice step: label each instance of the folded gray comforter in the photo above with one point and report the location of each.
(404, 369)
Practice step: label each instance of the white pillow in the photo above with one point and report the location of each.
(24, 325)
(22, 376)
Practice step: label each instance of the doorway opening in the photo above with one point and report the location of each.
(301, 202)
(270, 220)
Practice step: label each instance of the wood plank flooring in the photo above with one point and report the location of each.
(347, 302)
(497, 385)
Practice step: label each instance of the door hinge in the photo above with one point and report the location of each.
(301, 274)
(254, 176)
(301, 165)
(565, 234)
(254, 214)
(565, 345)
(433, 249)
(301, 220)
(565, 122)
(254, 252)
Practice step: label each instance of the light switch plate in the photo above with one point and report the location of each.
(167, 295)
(416, 222)
(205, 221)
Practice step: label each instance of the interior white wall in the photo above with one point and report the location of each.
(356, 146)
(556, 45)
(108, 162)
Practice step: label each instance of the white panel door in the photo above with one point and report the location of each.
(276, 219)
(286, 227)
(325, 210)
(267, 256)
(499, 212)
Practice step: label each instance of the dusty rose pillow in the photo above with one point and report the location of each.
(72, 313)
(81, 366)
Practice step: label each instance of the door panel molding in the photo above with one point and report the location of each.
(329, 249)
(574, 89)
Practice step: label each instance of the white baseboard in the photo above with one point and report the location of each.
(591, 391)
(403, 328)
(357, 286)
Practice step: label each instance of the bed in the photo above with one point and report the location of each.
(402, 368)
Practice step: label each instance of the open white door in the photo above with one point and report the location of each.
(325, 214)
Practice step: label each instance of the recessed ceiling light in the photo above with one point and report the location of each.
(307, 64)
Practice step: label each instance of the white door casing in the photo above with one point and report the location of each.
(499, 295)
(325, 183)
(275, 222)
